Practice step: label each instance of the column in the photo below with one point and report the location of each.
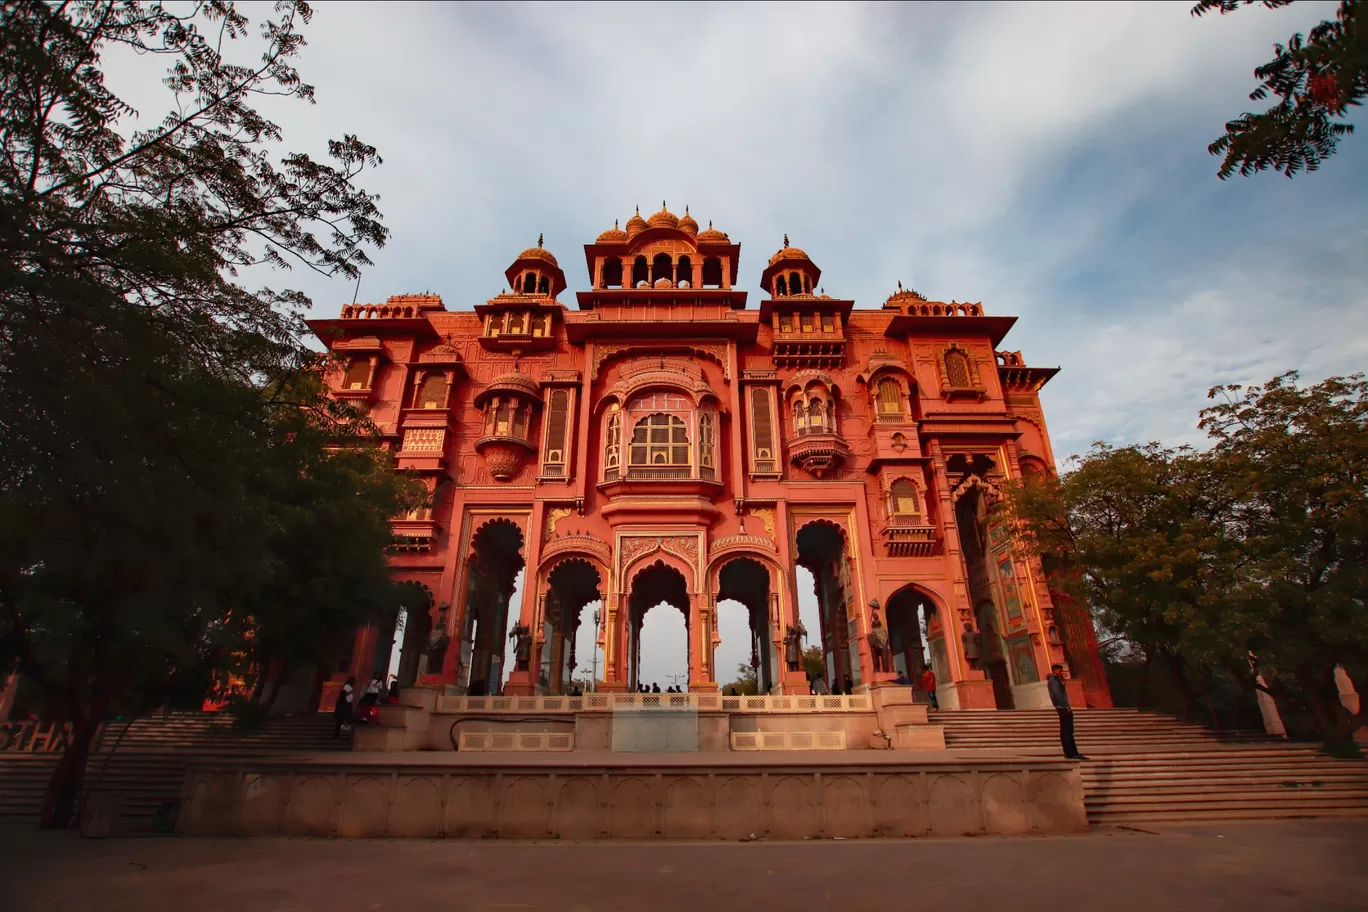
(626, 272)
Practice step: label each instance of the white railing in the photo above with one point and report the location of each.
(517, 741)
(788, 741)
(696, 702)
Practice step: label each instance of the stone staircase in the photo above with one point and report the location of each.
(1147, 767)
(146, 769)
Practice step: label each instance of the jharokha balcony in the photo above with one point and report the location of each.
(818, 451)
(909, 537)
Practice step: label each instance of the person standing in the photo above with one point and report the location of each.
(342, 709)
(372, 694)
(1060, 698)
(927, 682)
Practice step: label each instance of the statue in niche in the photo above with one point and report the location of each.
(522, 646)
(438, 640)
(971, 646)
(878, 640)
(793, 646)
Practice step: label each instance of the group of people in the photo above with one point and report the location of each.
(926, 683)
(343, 710)
(655, 689)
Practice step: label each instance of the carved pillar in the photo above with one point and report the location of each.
(626, 272)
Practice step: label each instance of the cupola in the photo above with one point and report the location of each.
(790, 272)
(536, 271)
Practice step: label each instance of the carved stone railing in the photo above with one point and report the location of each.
(517, 741)
(699, 702)
(791, 741)
(909, 540)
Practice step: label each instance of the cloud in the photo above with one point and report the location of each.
(1048, 160)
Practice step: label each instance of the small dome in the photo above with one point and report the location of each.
(636, 224)
(905, 294)
(614, 235)
(539, 253)
(687, 224)
(788, 253)
(663, 219)
(712, 236)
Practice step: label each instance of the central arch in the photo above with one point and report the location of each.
(915, 635)
(652, 587)
(494, 563)
(822, 551)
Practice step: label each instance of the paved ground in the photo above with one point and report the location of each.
(1289, 865)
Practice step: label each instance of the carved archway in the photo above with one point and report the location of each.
(822, 548)
(494, 559)
(661, 580)
(571, 584)
(751, 582)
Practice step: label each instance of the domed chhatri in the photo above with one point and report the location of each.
(662, 435)
(636, 224)
(539, 253)
(711, 235)
(788, 253)
(663, 219)
(614, 235)
(687, 223)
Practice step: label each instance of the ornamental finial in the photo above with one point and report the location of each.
(785, 240)
(540, 238)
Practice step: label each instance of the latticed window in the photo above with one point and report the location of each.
(799, 417)
(520, 421)
(493, 325)
(786, 323)
(557, 418)
(358, 374)
(540, 324)
(706, 442)
(815, 421)
(957, 369)
(612, 447)
(764, 425)
(807, 323)
(659, 440)
(904, 497)
(432, 392)
(502, 417)
(828, 323)
(888, 398)
(515, 324)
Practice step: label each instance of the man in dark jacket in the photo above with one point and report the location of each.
(1060, 698)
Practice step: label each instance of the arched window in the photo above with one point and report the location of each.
(520, 411)
(763, 431)
(831, 416)
(544, 286)
(530, 282)
(659, 440)
(712, 272)
(432, 392)
(358, 374)
(515, 323)
(557, 420)
(540, 323)
(888, 399)
(795, 283)
(780, 287)
(612, 446)
(501, 418)
(640, 272)
(706, 443)
(904, 498)
(815, 412)
(799, 418)
(661, 268)
(612, 272)
(684, 273)
(957, 369)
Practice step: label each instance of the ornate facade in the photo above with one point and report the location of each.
(662, 442)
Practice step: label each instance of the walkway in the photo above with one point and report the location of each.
(1286, 865)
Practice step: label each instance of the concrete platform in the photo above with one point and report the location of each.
(603, 795)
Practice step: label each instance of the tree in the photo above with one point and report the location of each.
(745, 684)
(1316, 80)
(159, 433)
(1298, 460)
(813, 663)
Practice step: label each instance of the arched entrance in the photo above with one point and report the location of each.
(912, 617)
(822, 550)
(747, 582)
(572, 585)
(653, 587)
(493, 566)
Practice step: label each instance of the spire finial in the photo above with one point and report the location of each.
(638, 209)
(615, 221)
(709, 224)
(899, 284)
(786, 239)
(686, 208)
(540, 238)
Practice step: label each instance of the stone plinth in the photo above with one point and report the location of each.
(605, 796)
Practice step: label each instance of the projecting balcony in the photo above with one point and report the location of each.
(909, 537)
(699, 481)
(818, 452)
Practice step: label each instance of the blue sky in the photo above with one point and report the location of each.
(1047, 160)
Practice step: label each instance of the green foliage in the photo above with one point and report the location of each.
(169, 500)
(1316, 79)
(745, 684)
(1255, 550)
(813, 663)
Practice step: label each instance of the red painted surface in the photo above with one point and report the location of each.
(873, 424)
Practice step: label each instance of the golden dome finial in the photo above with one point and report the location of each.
(786, 243)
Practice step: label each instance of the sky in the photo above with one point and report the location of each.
(1048, 160)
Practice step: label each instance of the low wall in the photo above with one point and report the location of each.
(800, 796)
